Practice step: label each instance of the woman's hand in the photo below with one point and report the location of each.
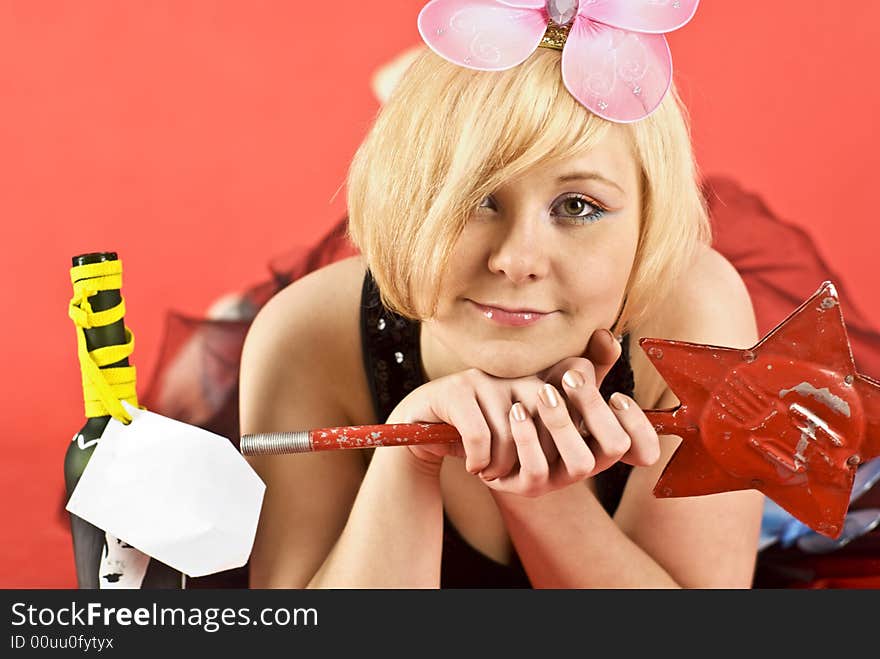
(527, 435)
(599, 423)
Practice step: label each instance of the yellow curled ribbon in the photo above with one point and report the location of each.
(103, 388)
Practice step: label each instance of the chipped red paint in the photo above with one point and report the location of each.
(395, 434)
(790, 417)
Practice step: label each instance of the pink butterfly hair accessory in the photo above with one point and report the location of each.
(615, 58)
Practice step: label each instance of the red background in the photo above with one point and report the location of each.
(198, 139)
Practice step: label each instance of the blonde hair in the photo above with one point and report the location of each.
(449, 136)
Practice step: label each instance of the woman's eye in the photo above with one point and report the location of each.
(579, 208)
(575, 207)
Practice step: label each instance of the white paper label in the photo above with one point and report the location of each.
(176, 492)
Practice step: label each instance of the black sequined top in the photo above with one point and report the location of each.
(393, 364)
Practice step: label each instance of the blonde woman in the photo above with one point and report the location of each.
(513, 248)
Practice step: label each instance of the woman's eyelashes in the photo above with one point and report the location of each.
(574, 207)
(580, 208)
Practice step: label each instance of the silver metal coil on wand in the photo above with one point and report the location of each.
(275, 443)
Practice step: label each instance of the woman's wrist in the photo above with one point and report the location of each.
(416, 458)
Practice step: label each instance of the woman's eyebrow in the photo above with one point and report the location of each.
(594, 176)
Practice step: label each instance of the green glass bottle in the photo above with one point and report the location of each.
(90, 544)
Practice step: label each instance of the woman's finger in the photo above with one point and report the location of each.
(526, 391)
(465, 414)
(531, 477)
(645, 445)
(603, 351)
(503, 453)
(533, 466)
(551, 453)
(609, 440)
(576, 457)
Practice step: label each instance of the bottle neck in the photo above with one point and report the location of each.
(101, 271)
(107, 335)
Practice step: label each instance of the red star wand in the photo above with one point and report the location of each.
(790, 417)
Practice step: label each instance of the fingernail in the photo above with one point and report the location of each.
(619, 401)
(548, 395)
(573, 379)
(518, 412)
(614, 341)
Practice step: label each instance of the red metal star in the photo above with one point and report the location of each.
(790, 417)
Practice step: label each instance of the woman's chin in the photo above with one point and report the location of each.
(512, 368)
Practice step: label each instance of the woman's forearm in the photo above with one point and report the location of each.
(394, 533)
(565, 539)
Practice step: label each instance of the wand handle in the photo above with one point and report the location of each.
(346, 437)
(396, 434)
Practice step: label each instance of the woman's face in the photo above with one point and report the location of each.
(559, 240)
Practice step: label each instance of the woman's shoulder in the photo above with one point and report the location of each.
(332, 280)
(709, 304)
(316, 305)
(314, 323)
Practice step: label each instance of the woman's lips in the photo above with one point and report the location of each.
(509, 318)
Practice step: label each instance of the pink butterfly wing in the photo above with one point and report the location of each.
(651, 16)
(619, 75)
(481, 34)
(532, 4)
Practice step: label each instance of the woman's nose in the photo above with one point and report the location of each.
(520, 252)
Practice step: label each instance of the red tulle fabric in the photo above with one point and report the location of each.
(196, 378)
